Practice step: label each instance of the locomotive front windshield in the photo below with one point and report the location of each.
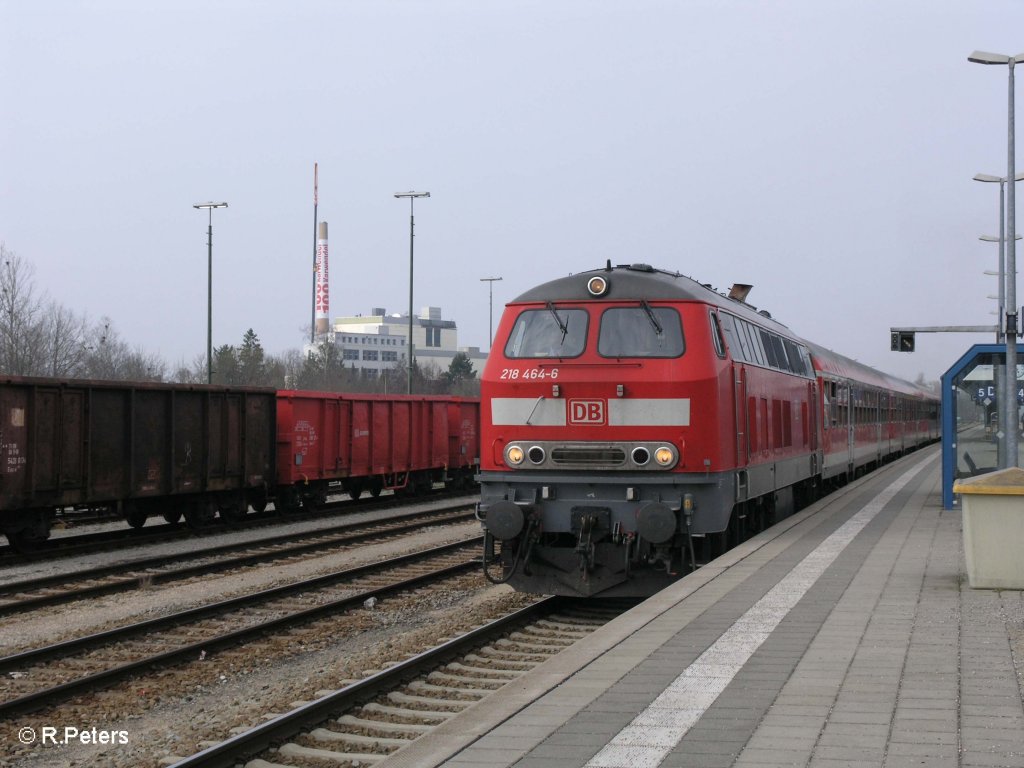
(548, 332)
(642, 331)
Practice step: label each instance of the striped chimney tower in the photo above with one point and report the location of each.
(323, 322)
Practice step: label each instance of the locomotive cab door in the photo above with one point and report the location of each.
(740, 409)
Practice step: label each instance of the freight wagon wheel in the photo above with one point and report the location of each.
(34, 531)
(355, 489)
(376, 486)
(287, 502)
(423, 483)
(315, 501)
(172, 515)
(136, 517)
(25, 541)
(461, 480)
(199, 514)
(258, 502)
(233, 511)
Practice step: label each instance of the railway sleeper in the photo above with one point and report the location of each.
(297, 750)
(541, 634)
(496, 664)
(326, 734)
(383, 726)
(533, 641)
(455, 705)
(471, 694)
(572, 628)
(412, 714)
(509, 650)
(485, 683)
(488, 672)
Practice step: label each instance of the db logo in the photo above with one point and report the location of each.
(586, 412)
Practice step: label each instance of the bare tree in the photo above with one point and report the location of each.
(63, 340)
(111, 359)
(191, 374)
(20, 313)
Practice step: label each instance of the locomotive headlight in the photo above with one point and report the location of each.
(597, 286)
(514, 455)
(665, 456)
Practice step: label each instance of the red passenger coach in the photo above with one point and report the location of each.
(371, 442)
(633, 419)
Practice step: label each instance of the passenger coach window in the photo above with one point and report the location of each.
(550, 332)
(643, 331)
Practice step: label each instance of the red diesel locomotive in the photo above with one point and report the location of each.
(635, 422)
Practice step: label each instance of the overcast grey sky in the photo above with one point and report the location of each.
(822, 151)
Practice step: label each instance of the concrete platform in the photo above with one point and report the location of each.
(845, 636)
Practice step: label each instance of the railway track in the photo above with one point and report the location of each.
(41, 677)
(374, 718)
(124, 537)
(30, 594)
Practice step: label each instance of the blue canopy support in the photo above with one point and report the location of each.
(970, 425)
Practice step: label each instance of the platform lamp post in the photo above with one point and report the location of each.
(412, 234)
(989, 178)
(1012, 423)
(490, 309)
(209, 287)
(999, 373)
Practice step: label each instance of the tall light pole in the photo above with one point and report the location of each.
(209, 287)
(989, 178)
(1012, 423)
(1003, 401)
(490, 308)
(412, 235)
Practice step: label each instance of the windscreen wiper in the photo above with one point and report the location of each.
(561, 326)
(650, 316)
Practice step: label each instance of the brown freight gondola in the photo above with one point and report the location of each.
(145, 449)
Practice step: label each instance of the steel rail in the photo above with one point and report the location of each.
(34, 701)
(67, 546)
(327, 537)
(247, 745)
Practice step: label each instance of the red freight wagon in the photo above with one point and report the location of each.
(140, 447)
(371, 442)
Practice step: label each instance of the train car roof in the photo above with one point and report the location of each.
(828, 362)
(637, 282)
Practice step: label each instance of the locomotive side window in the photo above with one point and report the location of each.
(548, 332)
(716, 335)
(796, 362)
(755, 345)
(744, 342)
(729, 328)
(643, 331)
(766, 340)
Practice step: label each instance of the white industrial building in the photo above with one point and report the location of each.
(378, 341)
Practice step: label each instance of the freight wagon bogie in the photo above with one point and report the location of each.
(26, 530)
